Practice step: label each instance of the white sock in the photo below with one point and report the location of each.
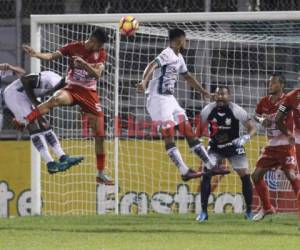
(40, 144)
(201, 152)
(175, 156)
(53, 142)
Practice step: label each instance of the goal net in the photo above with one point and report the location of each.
(239, 49)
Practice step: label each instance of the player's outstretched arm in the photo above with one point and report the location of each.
(16, 69)
(193, 82)
(42, 56)
(142, 86)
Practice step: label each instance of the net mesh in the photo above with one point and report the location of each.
(240, 54)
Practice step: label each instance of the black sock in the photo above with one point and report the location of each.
(247, 191)
(205, 191)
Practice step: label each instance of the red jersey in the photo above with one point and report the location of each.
(268, 109)
(292, 102)
(79, 76)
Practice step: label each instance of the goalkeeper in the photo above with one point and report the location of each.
(224, 117)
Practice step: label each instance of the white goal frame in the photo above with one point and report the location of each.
(37, 20)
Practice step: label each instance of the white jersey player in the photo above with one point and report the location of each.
(20, 96)
(7, 70)
(164, 108)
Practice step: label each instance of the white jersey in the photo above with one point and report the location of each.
(165, 77)
(17, 100)
(47, 81)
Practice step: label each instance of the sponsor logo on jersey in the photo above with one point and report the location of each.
(228, 121)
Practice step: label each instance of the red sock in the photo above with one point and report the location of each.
(296, 185)
(100, 162)
(263, 192)
(33, 115)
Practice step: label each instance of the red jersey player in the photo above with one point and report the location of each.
(86, 63)
(279, 152)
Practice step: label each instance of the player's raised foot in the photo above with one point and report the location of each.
(53, 167)
(203, 216)
(102, 178)
(191, 174)
(70, 161)
(218, 170)
(262, 213)
(249, 215)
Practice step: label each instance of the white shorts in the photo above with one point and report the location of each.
(165, 109)
(18, 103)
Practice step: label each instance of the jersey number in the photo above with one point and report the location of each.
(240, 151)
(98, 107)
(290, 160)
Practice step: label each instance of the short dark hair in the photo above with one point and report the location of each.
(175, 33)
(222, 86)
(100, 35)
(279, 76)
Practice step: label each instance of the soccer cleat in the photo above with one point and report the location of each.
(53, 167)
(191, 174)
(70, 161)
(249, 215)
(102, 178)
(203, 216)
(220, 170)
(262, 213)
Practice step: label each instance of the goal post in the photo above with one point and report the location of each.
(239, 48)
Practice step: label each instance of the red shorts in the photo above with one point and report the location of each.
(87, 99)
(278, 156)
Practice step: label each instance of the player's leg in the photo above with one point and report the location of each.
(239, 163)
(198, 148)
(205, 187)
(97, 124)
(175, 155)
(263, 192)
(55, 145)
(60, 98)
(20, 106)
(161, 110)
(289, 167)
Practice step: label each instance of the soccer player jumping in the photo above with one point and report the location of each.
(164, 108)
(86, 64)
(19, 97)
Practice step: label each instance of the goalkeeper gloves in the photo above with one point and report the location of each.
(241, 140)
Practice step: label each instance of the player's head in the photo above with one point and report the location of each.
(276, 84)
(97, 38)
(222, 95)
(177, 38)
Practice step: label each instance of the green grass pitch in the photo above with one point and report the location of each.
(154, 231)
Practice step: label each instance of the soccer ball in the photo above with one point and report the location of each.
(128, 25)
